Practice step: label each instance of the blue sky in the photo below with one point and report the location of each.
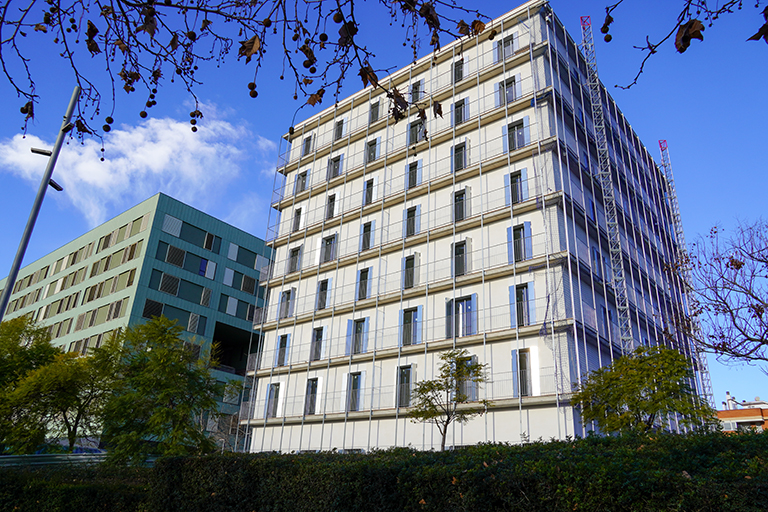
(707, 103)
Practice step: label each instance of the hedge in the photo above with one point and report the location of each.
(657, 472)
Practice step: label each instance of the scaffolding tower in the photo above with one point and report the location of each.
(682, 258)
(605, 176)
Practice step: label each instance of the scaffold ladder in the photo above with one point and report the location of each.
(605, 176)
(682, 257)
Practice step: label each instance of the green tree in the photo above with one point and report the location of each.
(163, 392)
(64, 398)
(640, 390)
(442, 400)
(24, 347)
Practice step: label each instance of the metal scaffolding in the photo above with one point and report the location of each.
(605, 176)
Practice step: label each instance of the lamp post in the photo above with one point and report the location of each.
(66, 127)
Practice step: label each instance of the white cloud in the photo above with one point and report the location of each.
(159, 155)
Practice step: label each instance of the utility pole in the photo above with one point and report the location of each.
(66, 127)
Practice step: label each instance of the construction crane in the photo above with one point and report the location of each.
(682, 257)
(605, 175)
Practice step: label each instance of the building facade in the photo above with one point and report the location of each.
(482, 229)
(161, 257)
(743, 416)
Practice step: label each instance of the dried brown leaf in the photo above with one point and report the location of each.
(367, 75)
(205, 24)
(91, 31)
(80, 125)
(174, 42)
(686, 32)
(307, 81)
(93, 47)
(120, 44)
(41, 28)
(437, 109)
(149, 26)
(477, 27)
(435, 41)
(249, 48)
(346, 33)
(316, 98)
(427, 11)
(463, 28)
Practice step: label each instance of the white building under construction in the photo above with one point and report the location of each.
(488, 229)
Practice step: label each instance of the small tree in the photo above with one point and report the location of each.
(440, 400)
(163, 391)
(24, 347)
(65, 397)
(637, 391)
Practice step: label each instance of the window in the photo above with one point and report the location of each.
(505, 48)
(517, 188)
(374, 112)
(458, 160)
(416, 132)
(357, 336)
(273, 398)
(404, 386)
(515, 136)
(311, 400)
(461, 316)
(306, 146)
(328, 249)
(519, 246)
(410, 221)
(597, 262)
(316, 347)
(297, 219)
(371, 150)
(365, 240)
(507, 91)
(409, 272)
(282, 350)
(412, 177)
(459, 205)
(286, 304)
(294, 259)
(459, 258)
(521, 373)
(353, 392)
(467, 388)
(459, 111)
(522, 300)
(334, 166)
(301, 184)
(363, 280)
(338, 130)
(330, 206)
(368, 189)
(409, 323)
(322, 293)
(458, 71)
(591, 210)
(416, 91)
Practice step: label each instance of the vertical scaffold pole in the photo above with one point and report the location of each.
(605, 176)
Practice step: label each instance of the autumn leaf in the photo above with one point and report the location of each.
(41, 28)
(454, 481)
(463, 28)
(91, 31)
(205, 24)
(686, 32)
(477, 27)
(307, 81)
(316, 98)
(422, 502)
(249, 48)
(435, 41)
(93, 47)
(174, 42)
(367, 75)
(149, 26)
(120, 44)
(80, 125)
(29, 109)
(427, 11)
(437, 109)
(422, 114)
(346, 33)
(308, 53)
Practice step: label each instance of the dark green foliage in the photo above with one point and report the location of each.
(702, 472)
